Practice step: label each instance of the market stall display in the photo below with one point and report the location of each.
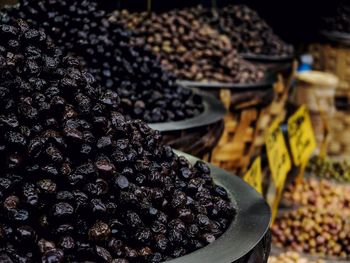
(78, 181)
(188, 47)
(94, 101)
(146, 91)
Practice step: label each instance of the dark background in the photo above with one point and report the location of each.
(295, 21)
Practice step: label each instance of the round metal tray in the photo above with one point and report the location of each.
(248, 228)
(267, 58)
(264, 84)
(337, 36)
(214, 111)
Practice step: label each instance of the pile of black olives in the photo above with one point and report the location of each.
(188, 47)
(80, 183)
(249, 33)
(340, 22)
(81, 28)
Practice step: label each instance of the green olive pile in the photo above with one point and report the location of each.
(188, 47)
(249, 33)
(79, 182)
(81, 28)
(314, 231)
(329, 169)
(321, 194)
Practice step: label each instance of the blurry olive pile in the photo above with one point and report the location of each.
(78, 182)
(188, 47)
(329, 169)
(146, 91)
(291, 257)
(320, 194)
(340, 21)
(314, 231)
(249, 33)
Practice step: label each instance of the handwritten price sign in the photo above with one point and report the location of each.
(254, 176)
(277, 153)
(279, 163)
(301, 136)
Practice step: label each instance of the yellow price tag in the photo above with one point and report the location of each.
(254, 176)
(277, 153)
(301, 136)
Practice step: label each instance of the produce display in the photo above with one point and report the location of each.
(146, 91)
(340, 21)
(329, 169)
(320, 194)
(78, 182)
(189, 48)
(249, 33)
(313, 231)
(291, 257)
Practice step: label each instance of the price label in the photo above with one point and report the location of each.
(254, 175)
(277, 153)
(301, 136)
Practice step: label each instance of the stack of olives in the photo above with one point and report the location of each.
(146, 91)
(188, 47)
(249, 33)
(291, 257)
(80, 183)
(329, 169)
(314, 231)
(320, 194)
(341, 20)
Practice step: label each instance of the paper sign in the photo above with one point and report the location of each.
(254, 176)
(301, 136)
(278, 155)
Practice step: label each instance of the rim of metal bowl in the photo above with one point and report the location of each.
(268, 58)
(250, 225)
(264, 84)
(213, 112)
(337, 36)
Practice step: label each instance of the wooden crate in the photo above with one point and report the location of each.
(198, 142)
(243, 137)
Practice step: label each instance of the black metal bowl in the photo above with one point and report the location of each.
(268, 58)
(214, 111)
(336, 36)
(264, 84)
(248, 228)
